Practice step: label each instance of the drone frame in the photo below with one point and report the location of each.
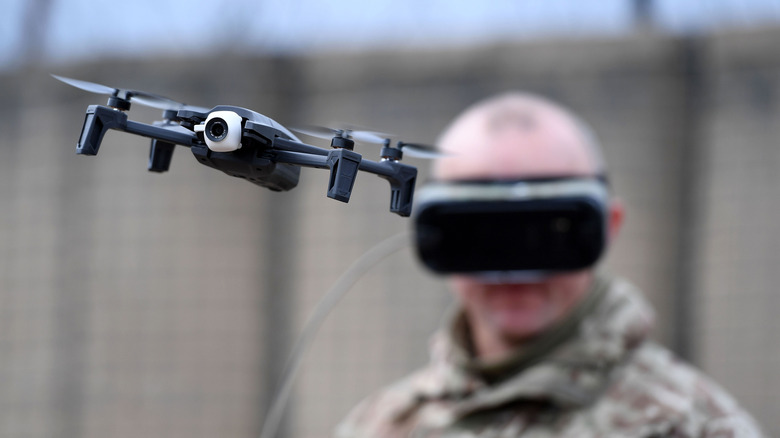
(270, 155)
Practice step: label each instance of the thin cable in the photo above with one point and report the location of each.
(367, 261)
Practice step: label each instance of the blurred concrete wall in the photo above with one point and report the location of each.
(136, 304)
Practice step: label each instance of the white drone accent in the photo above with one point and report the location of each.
(222, 131)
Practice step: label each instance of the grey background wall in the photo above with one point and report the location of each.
(136, 304)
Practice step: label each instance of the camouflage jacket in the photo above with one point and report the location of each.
(603, 379)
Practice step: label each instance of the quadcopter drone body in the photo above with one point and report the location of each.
(244, 144)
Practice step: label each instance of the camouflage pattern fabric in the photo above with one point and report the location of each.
(605, 379)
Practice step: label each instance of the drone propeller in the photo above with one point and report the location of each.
(364, 135)
(136, 96)
(354, 134)
(373, 137)
(421, 150)
(87, 86)
(318, 131)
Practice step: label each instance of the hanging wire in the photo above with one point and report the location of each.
(367, 261)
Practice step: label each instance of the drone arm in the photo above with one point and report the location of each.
(282, 144)
(100, 119)
(160, 133)
(402, 179)
(301, 159)
(343, 164)
(97, 121)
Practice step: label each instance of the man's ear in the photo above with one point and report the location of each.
(615, 216)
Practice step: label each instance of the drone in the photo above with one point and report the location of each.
(248, 145)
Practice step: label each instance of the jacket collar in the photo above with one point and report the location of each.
(568, 366)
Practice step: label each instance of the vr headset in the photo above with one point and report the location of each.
(520, 228)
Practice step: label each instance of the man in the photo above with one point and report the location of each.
(564, 353)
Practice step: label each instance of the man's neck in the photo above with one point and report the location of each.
(488, 347)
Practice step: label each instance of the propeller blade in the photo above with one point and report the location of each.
(163, 103)
(87, 86)
(354, 134)
(317, 131)
(422, 151)
(369, 136)
(153, 100)
(135, 96)
(365, 135)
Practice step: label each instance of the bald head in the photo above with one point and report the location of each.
(517, 135)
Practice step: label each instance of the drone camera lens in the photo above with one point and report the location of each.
(217, 129)
(223, 131)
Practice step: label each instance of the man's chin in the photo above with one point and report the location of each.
(520, 325)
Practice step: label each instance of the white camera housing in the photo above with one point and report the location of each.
(222, 131)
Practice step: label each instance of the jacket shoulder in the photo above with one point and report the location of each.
(382, 413)
(666, 395)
